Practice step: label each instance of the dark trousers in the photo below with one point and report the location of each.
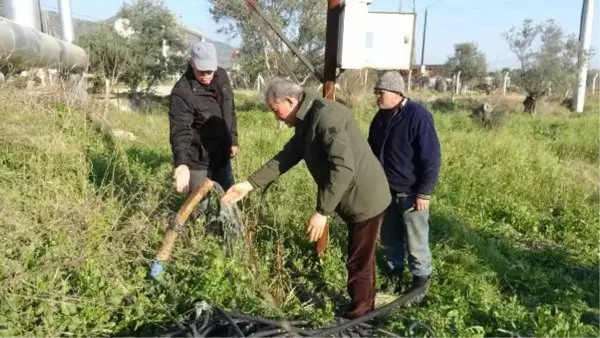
(362, 241)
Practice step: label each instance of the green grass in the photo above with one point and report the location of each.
(514, 229)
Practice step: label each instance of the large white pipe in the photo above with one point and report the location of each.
(24, 47)
(66, 20)
(24, 12)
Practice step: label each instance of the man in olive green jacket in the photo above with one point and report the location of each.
(349, 177)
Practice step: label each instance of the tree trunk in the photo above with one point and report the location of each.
(529, 104)
(106, 89)
(106, 96)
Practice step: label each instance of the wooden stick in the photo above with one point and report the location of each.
(183, 214)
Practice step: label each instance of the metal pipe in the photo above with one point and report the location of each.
(332, 32)
(24, 47)
(66, 20)
(422, 70)
(194, 32)
(24, 12)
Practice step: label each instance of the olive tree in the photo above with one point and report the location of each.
(158, 44)
(109, 55)
(549, 60)
(469, 60)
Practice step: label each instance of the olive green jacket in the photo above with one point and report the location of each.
(349, 177)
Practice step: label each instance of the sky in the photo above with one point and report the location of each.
(448, 22)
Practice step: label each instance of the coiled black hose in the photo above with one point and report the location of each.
(375, 313)
(250, 326)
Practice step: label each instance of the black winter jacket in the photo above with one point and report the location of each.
(202, 121)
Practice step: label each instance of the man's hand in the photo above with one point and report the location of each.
(236, 192)
(182, 178)
(421, 204)
(316, 225)
(234, 151)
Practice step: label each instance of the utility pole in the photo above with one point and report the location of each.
(331, 48)
(422, 70)
(585, 38)
(331, 51)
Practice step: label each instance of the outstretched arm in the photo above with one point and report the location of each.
(288, 157)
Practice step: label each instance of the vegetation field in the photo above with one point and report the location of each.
(514, 228)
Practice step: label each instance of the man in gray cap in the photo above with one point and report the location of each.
(403, 137)
(203, 126)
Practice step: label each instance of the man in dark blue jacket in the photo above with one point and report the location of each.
(402, 135)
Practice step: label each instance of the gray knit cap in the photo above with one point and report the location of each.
(204, 56)
(391, 81)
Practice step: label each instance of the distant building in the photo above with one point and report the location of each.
(430, 70)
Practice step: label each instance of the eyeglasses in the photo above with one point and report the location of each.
(204, 72)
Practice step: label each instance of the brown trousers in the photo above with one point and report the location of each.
(362, 241)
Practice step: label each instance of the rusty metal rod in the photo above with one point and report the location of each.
(255, 9)
(331, 53)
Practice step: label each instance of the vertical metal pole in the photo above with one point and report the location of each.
(24, 12)
(66, 21)
(423, 45)
(331, 48)
(43, 21)
(331, 51)
(585, 38)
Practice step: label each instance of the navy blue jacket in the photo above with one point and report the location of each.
(408, 148)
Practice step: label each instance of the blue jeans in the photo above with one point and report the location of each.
(222, 175)
(405, 229)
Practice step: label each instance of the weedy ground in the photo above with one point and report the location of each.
(514, 227)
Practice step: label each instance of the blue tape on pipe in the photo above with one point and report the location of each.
(156, 269)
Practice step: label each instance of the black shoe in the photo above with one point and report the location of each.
(393, 284)
(418, 282)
